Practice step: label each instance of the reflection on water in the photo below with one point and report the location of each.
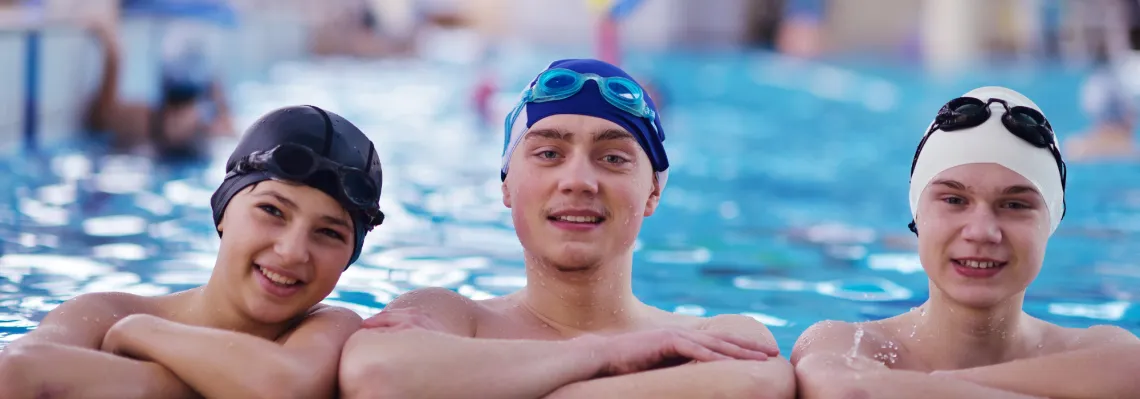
(787, 201)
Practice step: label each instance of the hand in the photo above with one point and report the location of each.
(646, 350)
(118, 341)
(401, 319)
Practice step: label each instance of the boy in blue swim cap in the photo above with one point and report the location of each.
(301, 191)
(987, 191)
(583, 164)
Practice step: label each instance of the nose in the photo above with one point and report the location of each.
(578, 176)
(293, 245)
(981, 227)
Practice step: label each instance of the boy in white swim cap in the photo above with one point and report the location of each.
(987, 192)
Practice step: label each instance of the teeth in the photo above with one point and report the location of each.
(580, 219)
(277, 278)
(978, 265)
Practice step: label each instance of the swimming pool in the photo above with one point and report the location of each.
(787, 197)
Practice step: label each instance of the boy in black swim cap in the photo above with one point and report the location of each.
(301, 191)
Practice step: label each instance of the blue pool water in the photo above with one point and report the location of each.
(787, 198)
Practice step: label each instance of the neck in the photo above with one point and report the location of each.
(596, 299)
(206, 307)
(969, 336)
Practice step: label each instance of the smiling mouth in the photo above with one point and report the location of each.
(980, 265)
(277, 279)
(577, 219)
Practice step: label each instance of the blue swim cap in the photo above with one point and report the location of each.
(589, 101)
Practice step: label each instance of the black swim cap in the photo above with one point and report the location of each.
(327, 134)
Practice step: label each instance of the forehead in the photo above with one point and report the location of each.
(307, 198)
(983, 177)
(577, 124)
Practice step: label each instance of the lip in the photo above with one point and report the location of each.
(280, 271)
(273, 288)
(969, 272)
(576, 227)
(577, 212)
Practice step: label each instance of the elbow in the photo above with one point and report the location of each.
(288, 382)
(770, 379)
(18, 367)
(822, 376)
(11, 373)
(362, 373)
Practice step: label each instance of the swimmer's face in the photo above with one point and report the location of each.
(578, 188)
(297, 233)
(981, 213)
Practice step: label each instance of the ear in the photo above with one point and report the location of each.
(654, 198)
(506, 195)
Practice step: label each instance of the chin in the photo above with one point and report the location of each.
(980, 297)
(573, 257)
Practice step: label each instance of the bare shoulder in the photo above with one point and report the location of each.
(1085, 338)
(339, 317)
(435, 299)
(739, 324)
(84, 320)
(456, 312)
(839, 337)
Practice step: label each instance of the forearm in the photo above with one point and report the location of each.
(58, 371)
(219, 363)
(1106, 372)
(426, 364)
(829, 376)
(771, 379)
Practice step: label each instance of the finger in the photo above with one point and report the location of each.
(689, 348)
(750, 344)
(725, 347)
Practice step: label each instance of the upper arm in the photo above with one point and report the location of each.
(449, 311)
(836, 339)
(1101, 335)
(741, 325)
(81, 321)
(323, 333)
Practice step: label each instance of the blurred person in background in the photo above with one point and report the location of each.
(191, 107)
(1108, 96)
(800, 30)
(380, 28)
(1109, 102)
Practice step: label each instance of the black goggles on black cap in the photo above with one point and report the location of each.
(297, 163)
(1024, 122)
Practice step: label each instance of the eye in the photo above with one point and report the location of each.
(954, 200)
(1018, 205)
(272, 210)
(615, 159)
(547, 154)
(333, 234)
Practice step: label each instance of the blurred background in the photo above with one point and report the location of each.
(791, 126)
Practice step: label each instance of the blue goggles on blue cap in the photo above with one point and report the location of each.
(560, 83)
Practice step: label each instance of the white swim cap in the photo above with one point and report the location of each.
(991, 142)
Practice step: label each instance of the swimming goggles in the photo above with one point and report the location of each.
(297, 163)
(1024, 122)
(560, 83)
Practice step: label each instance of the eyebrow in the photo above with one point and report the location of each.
(1011, 190)
(567, 136)
(293, 205)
